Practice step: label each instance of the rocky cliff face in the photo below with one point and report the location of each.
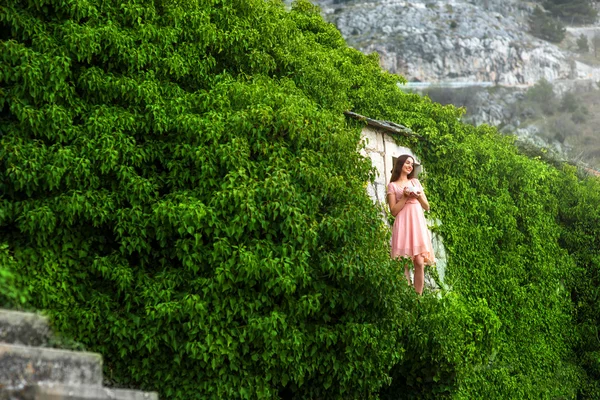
(482, 44)
(465, 41)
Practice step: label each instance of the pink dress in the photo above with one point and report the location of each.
(410, 236)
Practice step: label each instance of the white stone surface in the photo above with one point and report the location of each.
(381, 191)
(377, 159)
(381, 148)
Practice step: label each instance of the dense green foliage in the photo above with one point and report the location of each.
(13, 292)
(180, 202)
(545, 26)
(504, 241)
(444, 340)
(181, 192)
(579, 216)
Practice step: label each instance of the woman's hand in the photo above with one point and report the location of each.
(414, 193)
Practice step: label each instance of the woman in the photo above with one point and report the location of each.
(410, 236)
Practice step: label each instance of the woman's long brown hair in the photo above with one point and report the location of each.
(398, 168)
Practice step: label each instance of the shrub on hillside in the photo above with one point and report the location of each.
(487, 190)
(582, 44)
(579, 116)
(569, 102)
(542, 93)
(545, 27)
(562, 128)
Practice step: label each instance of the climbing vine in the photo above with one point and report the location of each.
(181, 192)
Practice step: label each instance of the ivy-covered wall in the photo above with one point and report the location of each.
(381, 148)
(180, 191)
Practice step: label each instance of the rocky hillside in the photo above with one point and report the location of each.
(440, 41)
(485, 43)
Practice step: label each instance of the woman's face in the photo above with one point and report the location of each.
(408, 166)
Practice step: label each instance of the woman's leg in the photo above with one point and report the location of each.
(419, 263)
(407, 274)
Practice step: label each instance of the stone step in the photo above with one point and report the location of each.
(23, 328)
(22, 365)
(52, 391)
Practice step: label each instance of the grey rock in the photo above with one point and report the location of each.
(441, 41)
(450, 41)
(23, 365)
(23, 328)
(52, 391)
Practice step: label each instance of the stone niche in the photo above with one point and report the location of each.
(379, 145)
(383, 151)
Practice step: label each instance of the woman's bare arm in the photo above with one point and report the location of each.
(396, 205)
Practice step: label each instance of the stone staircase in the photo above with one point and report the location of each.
(30, 371)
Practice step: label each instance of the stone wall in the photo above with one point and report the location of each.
(381, 148)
